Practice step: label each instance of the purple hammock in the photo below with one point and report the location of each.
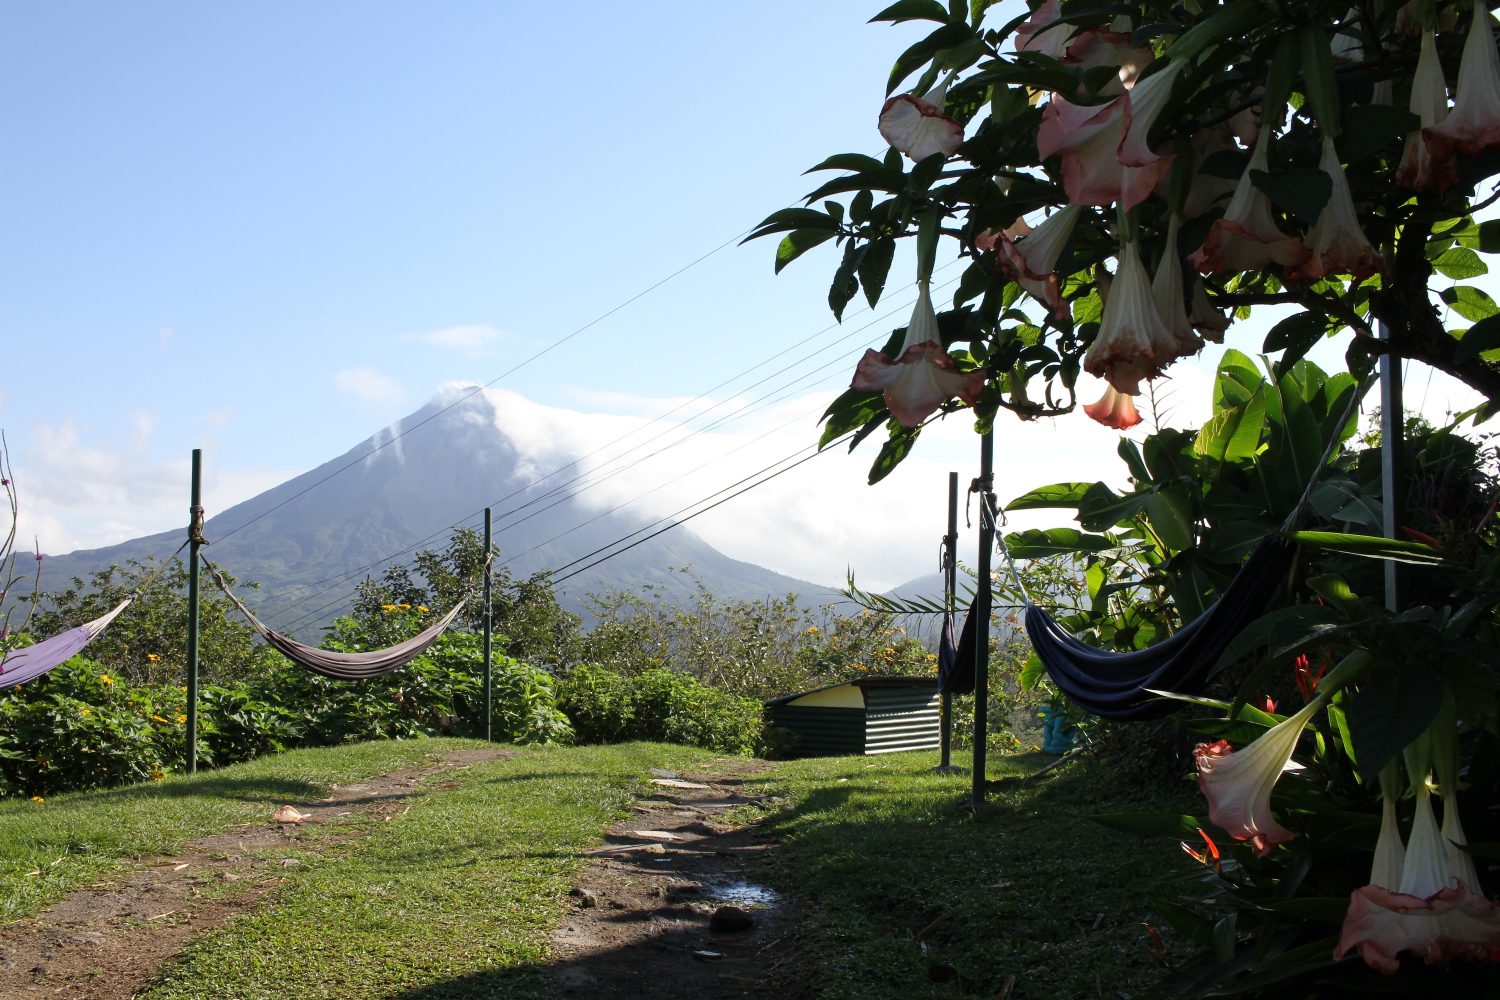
(347, 666)
(29, 662)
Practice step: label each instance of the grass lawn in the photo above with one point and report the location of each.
(904, 891)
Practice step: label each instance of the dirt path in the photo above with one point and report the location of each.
(669, 907)
(107, 941)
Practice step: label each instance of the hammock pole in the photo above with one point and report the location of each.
(1392, 449)
(982, 603)
(950, 571)
(489, 677)
(195, 539)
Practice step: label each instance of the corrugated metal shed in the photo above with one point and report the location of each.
(864, 716)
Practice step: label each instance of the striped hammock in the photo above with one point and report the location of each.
(29, 662)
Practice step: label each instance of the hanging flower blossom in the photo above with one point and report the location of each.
(1106, 157)
(1171, 303)
(1346, 45)
(1042, 33)
(1390, 852)
(924, 376)
(1336, 243)
(1207, 191)
(1238, 783)
(1029, 257)
(1474, 123)
(1110, 46)
(917, 126)
(1207, 320)
(1133, 342)
(1421, 168)
(1114, 409)
(1247, 238)
(1431, 914)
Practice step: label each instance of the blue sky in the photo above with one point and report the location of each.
(270, 229)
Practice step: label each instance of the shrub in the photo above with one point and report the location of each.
(658, 704)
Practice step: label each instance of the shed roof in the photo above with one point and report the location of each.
(861, 682)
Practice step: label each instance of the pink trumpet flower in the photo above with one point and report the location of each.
(1110, 47)
(1114, 409)
(1030, 258)
(1133, 342)
(917, 126)
(1431, 914)
(1247, 237)
(1474, 123)
(1106, 156)
(1238, 783)
(1167, 294)
(924, 376)
(1422, 169)
(1042, 32)
(1336, 243)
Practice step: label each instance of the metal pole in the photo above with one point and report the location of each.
(489, 678)
(195, 539)
(1392, 461)
(950, 572)
(982, 604)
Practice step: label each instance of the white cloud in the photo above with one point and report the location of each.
(469, 339)
(80, 492)
(368, 386)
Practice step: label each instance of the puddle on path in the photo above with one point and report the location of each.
(742, 893)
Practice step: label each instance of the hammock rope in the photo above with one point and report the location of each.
(1119, 685)
(30, 662)
(342, 666)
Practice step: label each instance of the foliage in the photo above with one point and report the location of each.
(660, 705)
(147, 644)
(753, 649)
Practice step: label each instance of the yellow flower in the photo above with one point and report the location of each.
(182, 689)
(159, 718)
(86, 712)
(152, 657)
(38, 799)
(404, 607)
(811, 630)
(105, 679)
(158, 776)
(181, 720)
(387, 608)
(423, 608)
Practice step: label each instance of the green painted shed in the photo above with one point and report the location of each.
(868, 715)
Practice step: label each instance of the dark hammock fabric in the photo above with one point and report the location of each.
(29, 662)
(1114, 685)
(958, 678)
(347, 666)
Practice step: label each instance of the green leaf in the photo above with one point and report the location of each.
(1170, 520)
(851, 411)
(1489, 236)
(1179, 826)
(1281, 633)
(844, 283)
(1336, 591)
(1395, 703)
(1102, 508)
(1481, 337)
(1295, 335)
(798, 242)
(1038, 543)
(1460, 263)
(1473, 304)
(1303, 191)
(875, 267)
(793, 218)
(1343, 500)
(896, 448)
(946, 37)
(1130, 453)
(1237, 18)
(1056, 495)
(1233, 435)
(1321, 86)
(1369, 128)
(1370, 547)
(913, 10)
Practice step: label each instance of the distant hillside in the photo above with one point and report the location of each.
(308, 541)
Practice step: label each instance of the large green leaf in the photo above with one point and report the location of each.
(1233, 435)
(913, 10)
(798, 242)
(895, 448)
(1395, 703)
(1038, 543)
(1460, 263)
(1343, 500)
(1370, 547)
(1481, 337)
(851, 411)
(1102, 508)
(875, 267)
(1057, 495)
(1283, 632)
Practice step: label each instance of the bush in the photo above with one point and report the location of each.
(658, 704)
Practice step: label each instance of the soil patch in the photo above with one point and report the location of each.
(107, 941)
(670, 906)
